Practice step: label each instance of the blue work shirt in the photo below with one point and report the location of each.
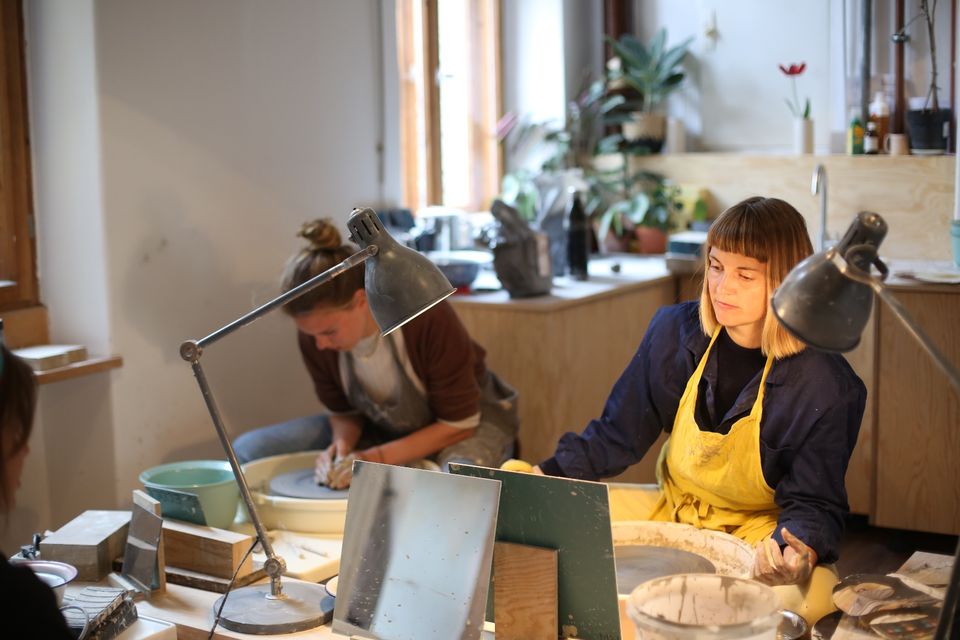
(812, 409)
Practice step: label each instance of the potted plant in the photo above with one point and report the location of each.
(929, 126)
(653, 71)
(642, 217)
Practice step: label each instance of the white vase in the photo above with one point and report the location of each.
(802, 135)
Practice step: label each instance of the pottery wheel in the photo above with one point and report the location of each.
(300, 484)
(638, 563)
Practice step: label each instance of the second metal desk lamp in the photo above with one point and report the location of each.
(400, 284)
(825, 302)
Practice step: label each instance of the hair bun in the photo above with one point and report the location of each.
(321, 234)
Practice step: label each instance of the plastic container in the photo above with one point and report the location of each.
(212, 481)
(695, 606)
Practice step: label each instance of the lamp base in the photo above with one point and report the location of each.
(251, 610)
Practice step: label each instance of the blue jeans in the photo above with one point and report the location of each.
(488, 447)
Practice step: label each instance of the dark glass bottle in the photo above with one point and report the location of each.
(578, 237)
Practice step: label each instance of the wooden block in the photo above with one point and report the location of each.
(176, 575)
(89, 542)
(525, 592)
(216, 552)
(50, 356)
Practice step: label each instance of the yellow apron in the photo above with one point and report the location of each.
(712, 480)
(715, 481)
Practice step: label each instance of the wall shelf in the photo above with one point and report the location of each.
(79, 369)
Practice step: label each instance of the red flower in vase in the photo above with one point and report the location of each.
(792, 72)
(794, 69)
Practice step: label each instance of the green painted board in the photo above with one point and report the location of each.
(573, 517)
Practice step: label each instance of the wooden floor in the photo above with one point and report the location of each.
(868, 549)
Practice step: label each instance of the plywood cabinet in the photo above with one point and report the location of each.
(917, 481)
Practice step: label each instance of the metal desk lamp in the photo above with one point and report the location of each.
(825, 302)
(400, 284)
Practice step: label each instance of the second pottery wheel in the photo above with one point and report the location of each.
(300, 484)
(638, 563)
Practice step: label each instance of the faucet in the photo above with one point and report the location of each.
(819, 185)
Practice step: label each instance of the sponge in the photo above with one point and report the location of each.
(517, 465)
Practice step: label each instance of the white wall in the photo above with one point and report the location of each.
(177, 148)
(733, 98)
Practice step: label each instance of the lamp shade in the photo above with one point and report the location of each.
(820, 302)
(400, 283)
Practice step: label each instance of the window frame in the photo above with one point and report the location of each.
(17, 235)
(420, 128)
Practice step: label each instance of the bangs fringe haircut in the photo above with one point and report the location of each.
(770, 231)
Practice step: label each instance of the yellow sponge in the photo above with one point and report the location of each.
(517, 465)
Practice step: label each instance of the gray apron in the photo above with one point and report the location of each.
(409, 411)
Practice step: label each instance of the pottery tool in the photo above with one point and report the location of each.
(301, 484)
(106, 611)
(143, 559)
(864, 593)
(573, 517)
(179, 505)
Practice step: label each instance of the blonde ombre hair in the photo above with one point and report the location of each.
(773, 232)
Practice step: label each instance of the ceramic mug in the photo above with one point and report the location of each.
(896, 144)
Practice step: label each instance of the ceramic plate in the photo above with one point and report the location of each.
(331, 586)
(938, 277)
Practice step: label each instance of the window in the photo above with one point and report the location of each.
(449, 58)
(18, 277)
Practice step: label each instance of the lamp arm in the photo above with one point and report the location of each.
(274, 565)
(192, 350)
(314, 282)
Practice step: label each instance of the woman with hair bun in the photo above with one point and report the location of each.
(420, 392)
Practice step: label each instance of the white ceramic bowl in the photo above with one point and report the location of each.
(57, 575)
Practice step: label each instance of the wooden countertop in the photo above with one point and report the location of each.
(634, 272)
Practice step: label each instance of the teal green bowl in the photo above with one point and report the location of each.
(212, 481)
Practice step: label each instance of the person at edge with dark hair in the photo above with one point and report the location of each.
(422, 391)
(761, 428)
(23, 596)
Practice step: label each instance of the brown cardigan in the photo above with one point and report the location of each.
(444, 357)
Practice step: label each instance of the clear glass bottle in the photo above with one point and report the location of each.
(578, 237)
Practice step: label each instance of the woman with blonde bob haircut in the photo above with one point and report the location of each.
(761, 429)
(778, 238)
